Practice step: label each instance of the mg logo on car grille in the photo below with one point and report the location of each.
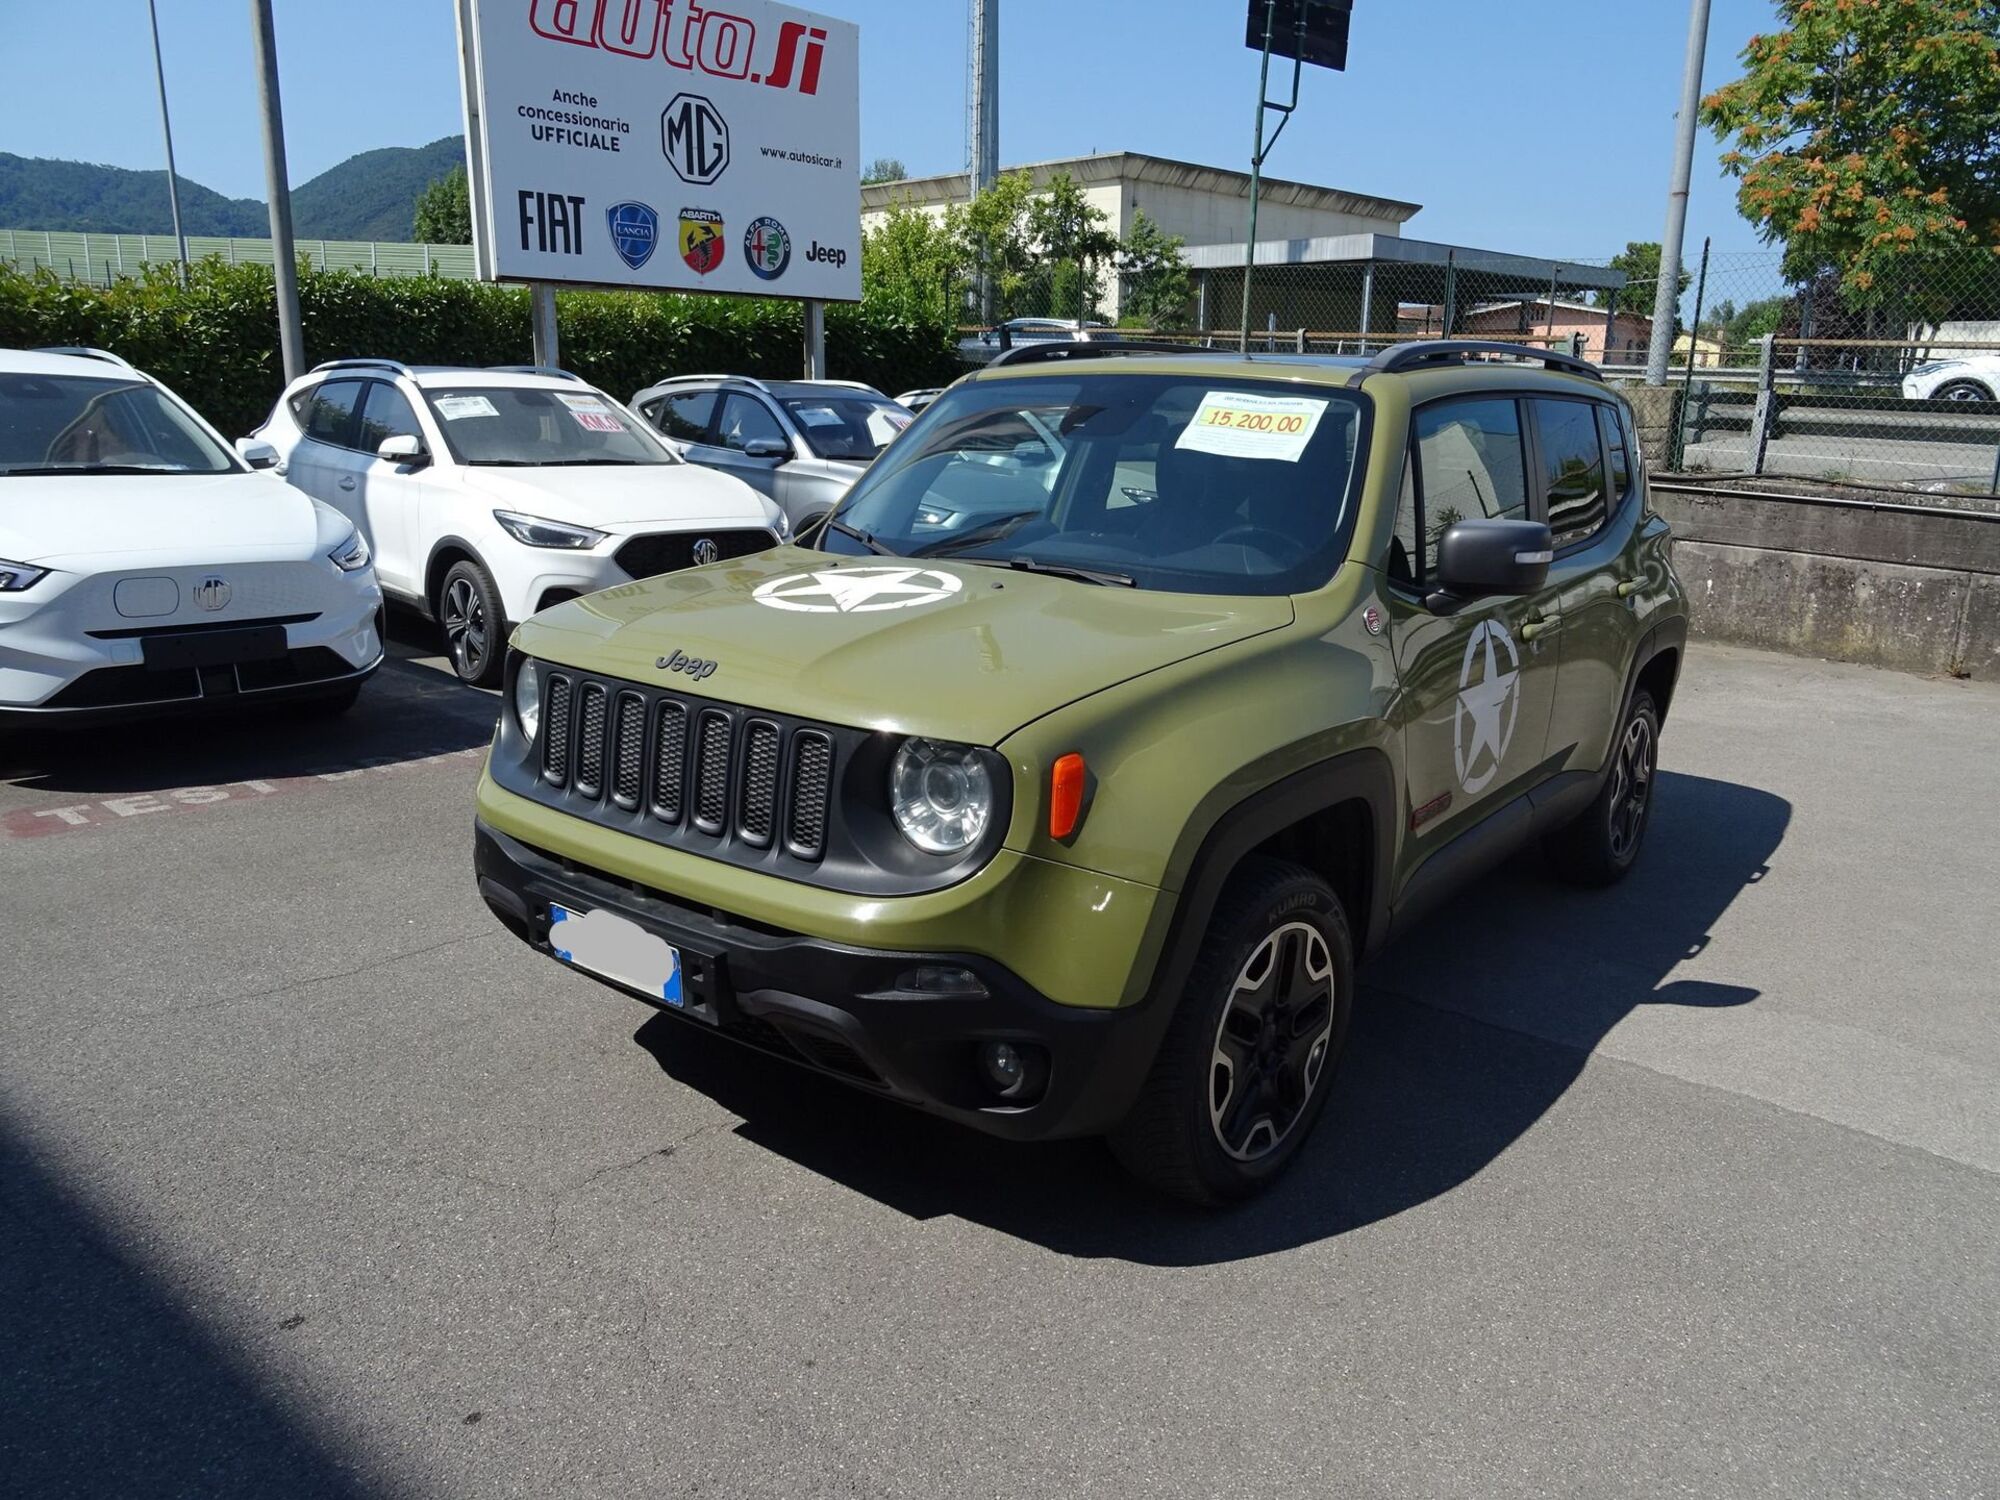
(212, 592)
(705, 551)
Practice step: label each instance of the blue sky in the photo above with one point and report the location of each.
(1540, 126)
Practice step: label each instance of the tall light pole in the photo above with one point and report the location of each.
(1667, 296)
(284, 264)
(984, 122)
(167, 128)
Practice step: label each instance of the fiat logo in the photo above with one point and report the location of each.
(212, 592)
(706, 551)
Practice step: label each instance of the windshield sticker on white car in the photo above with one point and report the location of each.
(583, 403)
(818, 416)
(591, 413)
(452, 408)
(884, 424)
(1239, 425)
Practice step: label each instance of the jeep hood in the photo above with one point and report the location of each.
(946, 648)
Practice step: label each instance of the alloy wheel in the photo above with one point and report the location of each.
(1631, 786)
(1272, 1042)
(464, 619)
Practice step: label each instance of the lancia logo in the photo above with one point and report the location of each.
(706, 551)
(212, 592)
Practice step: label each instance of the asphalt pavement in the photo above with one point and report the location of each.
(313, 1181)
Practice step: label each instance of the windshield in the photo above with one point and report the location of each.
(70, 424)
(855, 427)
(1189, 484)
(536, 427)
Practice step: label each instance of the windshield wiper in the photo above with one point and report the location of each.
(990, 531)
(578, 463)
(867, 539)
(104, 469)
(1058, 570)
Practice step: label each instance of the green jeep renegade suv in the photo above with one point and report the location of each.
(1125, 703)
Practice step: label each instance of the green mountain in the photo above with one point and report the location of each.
(367, 197)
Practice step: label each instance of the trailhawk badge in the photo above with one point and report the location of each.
(857, 591)
(1483, 720)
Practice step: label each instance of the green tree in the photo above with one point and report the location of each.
(1154, 274)
(999, 244)
(444, 211)
(884, 169)
(916, 263)
(1866, 141)
(1640, 261)
(1073, 236)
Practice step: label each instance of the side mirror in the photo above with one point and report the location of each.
(776, 448)
(256, 453)
(1476, 558)
(406, 449)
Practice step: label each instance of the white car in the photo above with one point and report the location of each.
(487, 495)
(145, 568)
(1974, 378)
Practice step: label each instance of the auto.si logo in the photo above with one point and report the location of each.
(635, 230)
(212, 592)
(701, 239)
(695, 139)
(768, 248)
(688, 36)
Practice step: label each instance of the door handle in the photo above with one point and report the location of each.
(1536, 630)
(347, 482)
(1630, 587)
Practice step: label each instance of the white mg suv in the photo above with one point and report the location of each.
(145, 568)
(487, 495)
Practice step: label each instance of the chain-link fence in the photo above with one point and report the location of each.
(1774, 378)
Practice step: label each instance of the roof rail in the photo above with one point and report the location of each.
(1425, 353)
(363, 364)
(1061, 349)
(852, 385)
(552, 370)
(749, 380)
(84, 351)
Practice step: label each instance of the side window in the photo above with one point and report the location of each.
(1572, 468)
(685, 417)
(744, 420)
(330, 414)
(387, 414)
(1612, 429)
(1471, 464)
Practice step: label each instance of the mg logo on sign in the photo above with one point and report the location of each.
(695, 138)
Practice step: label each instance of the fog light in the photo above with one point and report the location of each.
(940, 979)
(1003, 1066)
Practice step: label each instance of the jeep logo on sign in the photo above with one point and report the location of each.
(695, 138)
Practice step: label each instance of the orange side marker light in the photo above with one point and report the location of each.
(1066, 795)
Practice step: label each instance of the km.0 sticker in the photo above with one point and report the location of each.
(1239, 425)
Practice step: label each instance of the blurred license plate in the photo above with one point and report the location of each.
(607, 945)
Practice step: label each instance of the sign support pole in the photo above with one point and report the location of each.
(1262, 148)
(815, 341)
(542, 320)
(284, 262)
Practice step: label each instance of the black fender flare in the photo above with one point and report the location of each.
(445, 544)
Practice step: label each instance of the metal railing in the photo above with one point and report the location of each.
(103, 258)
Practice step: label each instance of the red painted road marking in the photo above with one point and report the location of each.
(35, 822)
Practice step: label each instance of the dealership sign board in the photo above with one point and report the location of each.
(664, 144)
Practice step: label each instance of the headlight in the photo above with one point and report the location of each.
(781, 526)
(351, 556)
(528, 699)
(942, 795)
(533, 531)
(17, 576)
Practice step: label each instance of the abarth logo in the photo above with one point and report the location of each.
(695, 138)
(212, 592)
(1482, 723)
(857, 591)
(635, 231)
(705, 551)
(701, 239)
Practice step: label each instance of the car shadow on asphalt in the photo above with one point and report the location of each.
(113, 1390)
(406, 712)
(1466, 1032)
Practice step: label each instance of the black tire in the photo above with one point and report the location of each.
(1602, 843)
(1961, 390)
(1195, 1132)
(475, 626)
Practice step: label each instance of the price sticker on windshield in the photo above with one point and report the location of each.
(1239, 425)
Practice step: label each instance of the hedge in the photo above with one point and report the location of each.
(215, 341)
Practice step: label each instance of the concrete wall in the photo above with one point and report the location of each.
(1907, 586)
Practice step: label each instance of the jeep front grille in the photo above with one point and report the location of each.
(723, 773)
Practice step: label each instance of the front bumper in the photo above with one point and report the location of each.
(838, 1009)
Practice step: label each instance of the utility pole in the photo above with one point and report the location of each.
(167, 128)
(284, 264)
(1667, 295)
(984, 122)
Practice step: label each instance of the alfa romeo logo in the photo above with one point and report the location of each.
(857, 591)
(1482, 723)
